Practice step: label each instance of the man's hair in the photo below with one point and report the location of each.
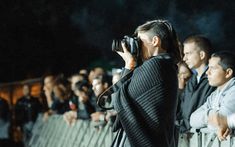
(164, 30)
(60, 79)
(203, 43)
(80, 85)
(227, 60)
(84, 77)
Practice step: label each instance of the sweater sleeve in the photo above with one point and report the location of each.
(198, 118)
(145, 112)
(231, 121)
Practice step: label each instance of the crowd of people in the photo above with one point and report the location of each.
(150, 108)
(73, 97)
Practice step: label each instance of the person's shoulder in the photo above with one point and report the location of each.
(161, 57)
(153, 61)
(230, 88)
(233, 82)
(2, 100)
(160, 62)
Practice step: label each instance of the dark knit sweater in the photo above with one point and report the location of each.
(146, 103)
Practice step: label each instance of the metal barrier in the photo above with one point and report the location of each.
(56, 133)
(204, 138)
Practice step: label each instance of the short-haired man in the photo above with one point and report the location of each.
(27, 109)
(222, 101)
(99, 85)
(197, 50)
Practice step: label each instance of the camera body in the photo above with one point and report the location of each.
(132, 44)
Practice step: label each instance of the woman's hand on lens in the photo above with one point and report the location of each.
(130, 61)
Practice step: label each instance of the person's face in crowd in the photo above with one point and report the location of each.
(57, 91)
(82, 95)
(91, 76)
(74, 80)
(192, 55)
(26, 90)
(48, 84)
(184, 72)
(148, 45)
(217, 76)
(94, 73)
(98, 87)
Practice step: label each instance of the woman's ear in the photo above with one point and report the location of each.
(156, 41)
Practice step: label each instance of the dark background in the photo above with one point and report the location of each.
(39, 36)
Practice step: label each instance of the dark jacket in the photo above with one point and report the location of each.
(84, 110)
(4, 110)
(60, 107)
(193, 96)
(146, 104)
(26, 110)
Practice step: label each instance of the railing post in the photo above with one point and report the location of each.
(211, 140)
(199, 138)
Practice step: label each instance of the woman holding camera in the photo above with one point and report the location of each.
(146, 102)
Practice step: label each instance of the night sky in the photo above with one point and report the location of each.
(40, 36)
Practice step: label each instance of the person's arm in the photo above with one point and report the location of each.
(49, 99)
(220, 122)
(199, 118)
(231, 121)
(125, 71)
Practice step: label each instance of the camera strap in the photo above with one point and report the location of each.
(108, 92)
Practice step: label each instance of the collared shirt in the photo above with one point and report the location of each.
(220, 101)
(199, 77)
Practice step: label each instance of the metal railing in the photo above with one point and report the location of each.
(56, 133)
(204, 138)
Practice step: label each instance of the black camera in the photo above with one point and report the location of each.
(132, 43)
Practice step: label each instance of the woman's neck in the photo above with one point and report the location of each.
(158, 51)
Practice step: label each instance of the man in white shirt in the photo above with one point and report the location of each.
(221, 75)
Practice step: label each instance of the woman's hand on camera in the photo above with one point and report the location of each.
(130, 61)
